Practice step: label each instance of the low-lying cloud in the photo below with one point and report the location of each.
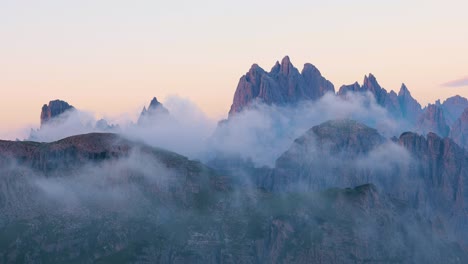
(260, 133)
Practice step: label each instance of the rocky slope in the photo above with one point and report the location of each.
(432, 120)
(459, 130)
(326, 156)
(453, 107)
(428, 173)
(347, 153)
(401, 106)
(283, 85)
(99, 198)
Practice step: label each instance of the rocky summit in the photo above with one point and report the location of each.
(338, 191)
(283, 85)
(400, 106)
(155, 108)
(53, 110)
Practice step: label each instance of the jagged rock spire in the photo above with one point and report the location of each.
(283, 85)
(54, 109)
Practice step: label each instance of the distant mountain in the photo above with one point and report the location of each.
(54, 109)
(100, 198)
(283, 85)
(59, 119)
(409, 107)
(428, 173)
(155, 108)
(459, 130)
(329, 155)
(432, 120)
(401, 106)
(453, 107)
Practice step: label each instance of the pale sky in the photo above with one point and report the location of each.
(113, 56)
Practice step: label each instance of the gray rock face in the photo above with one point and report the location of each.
(453, 107)
(118, 211)
(428, 173)
(323, 157)
(155, 108)
(433, 120)
(53, 110)
(401, 106)
(443, 167)
(335, 147)
(283, 85)
(410, 108)
(459, 130)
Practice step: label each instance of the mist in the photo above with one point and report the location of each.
(157, 206)
(260, 133)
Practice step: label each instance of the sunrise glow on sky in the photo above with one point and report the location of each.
(112, 56)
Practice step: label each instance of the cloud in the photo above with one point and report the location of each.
(263, 132)
(457, 83)
(260, 134)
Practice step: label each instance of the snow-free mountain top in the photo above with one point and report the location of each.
(284, 84)
(53, 110)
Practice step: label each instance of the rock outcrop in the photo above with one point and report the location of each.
(459, 130)
(347, 152)
(401, 106)
(453, 107)
(155, 108)
(54, 109)
(101, 198)
(283, 85)
(410, 108)
(324, 157)
(433, 120)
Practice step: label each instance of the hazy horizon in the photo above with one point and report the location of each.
(112, 57)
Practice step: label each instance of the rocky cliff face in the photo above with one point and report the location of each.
(453, 107)
(53, 110)
(443, 167)
(101, 198)
(324, 157)
(459, 130)
(283, 85)
(346, 153)
(433, 120)
(428, 173)
(410, 108)
(155, 108)
(401, 106)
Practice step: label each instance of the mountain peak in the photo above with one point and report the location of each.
(54, 109)
(286, 60)
(369, 79)
(308, 67)
(453, 107)
(154, 108)
(457, 99)
(154, 103)
(284, 84)
(286, 65)
(403, 90)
